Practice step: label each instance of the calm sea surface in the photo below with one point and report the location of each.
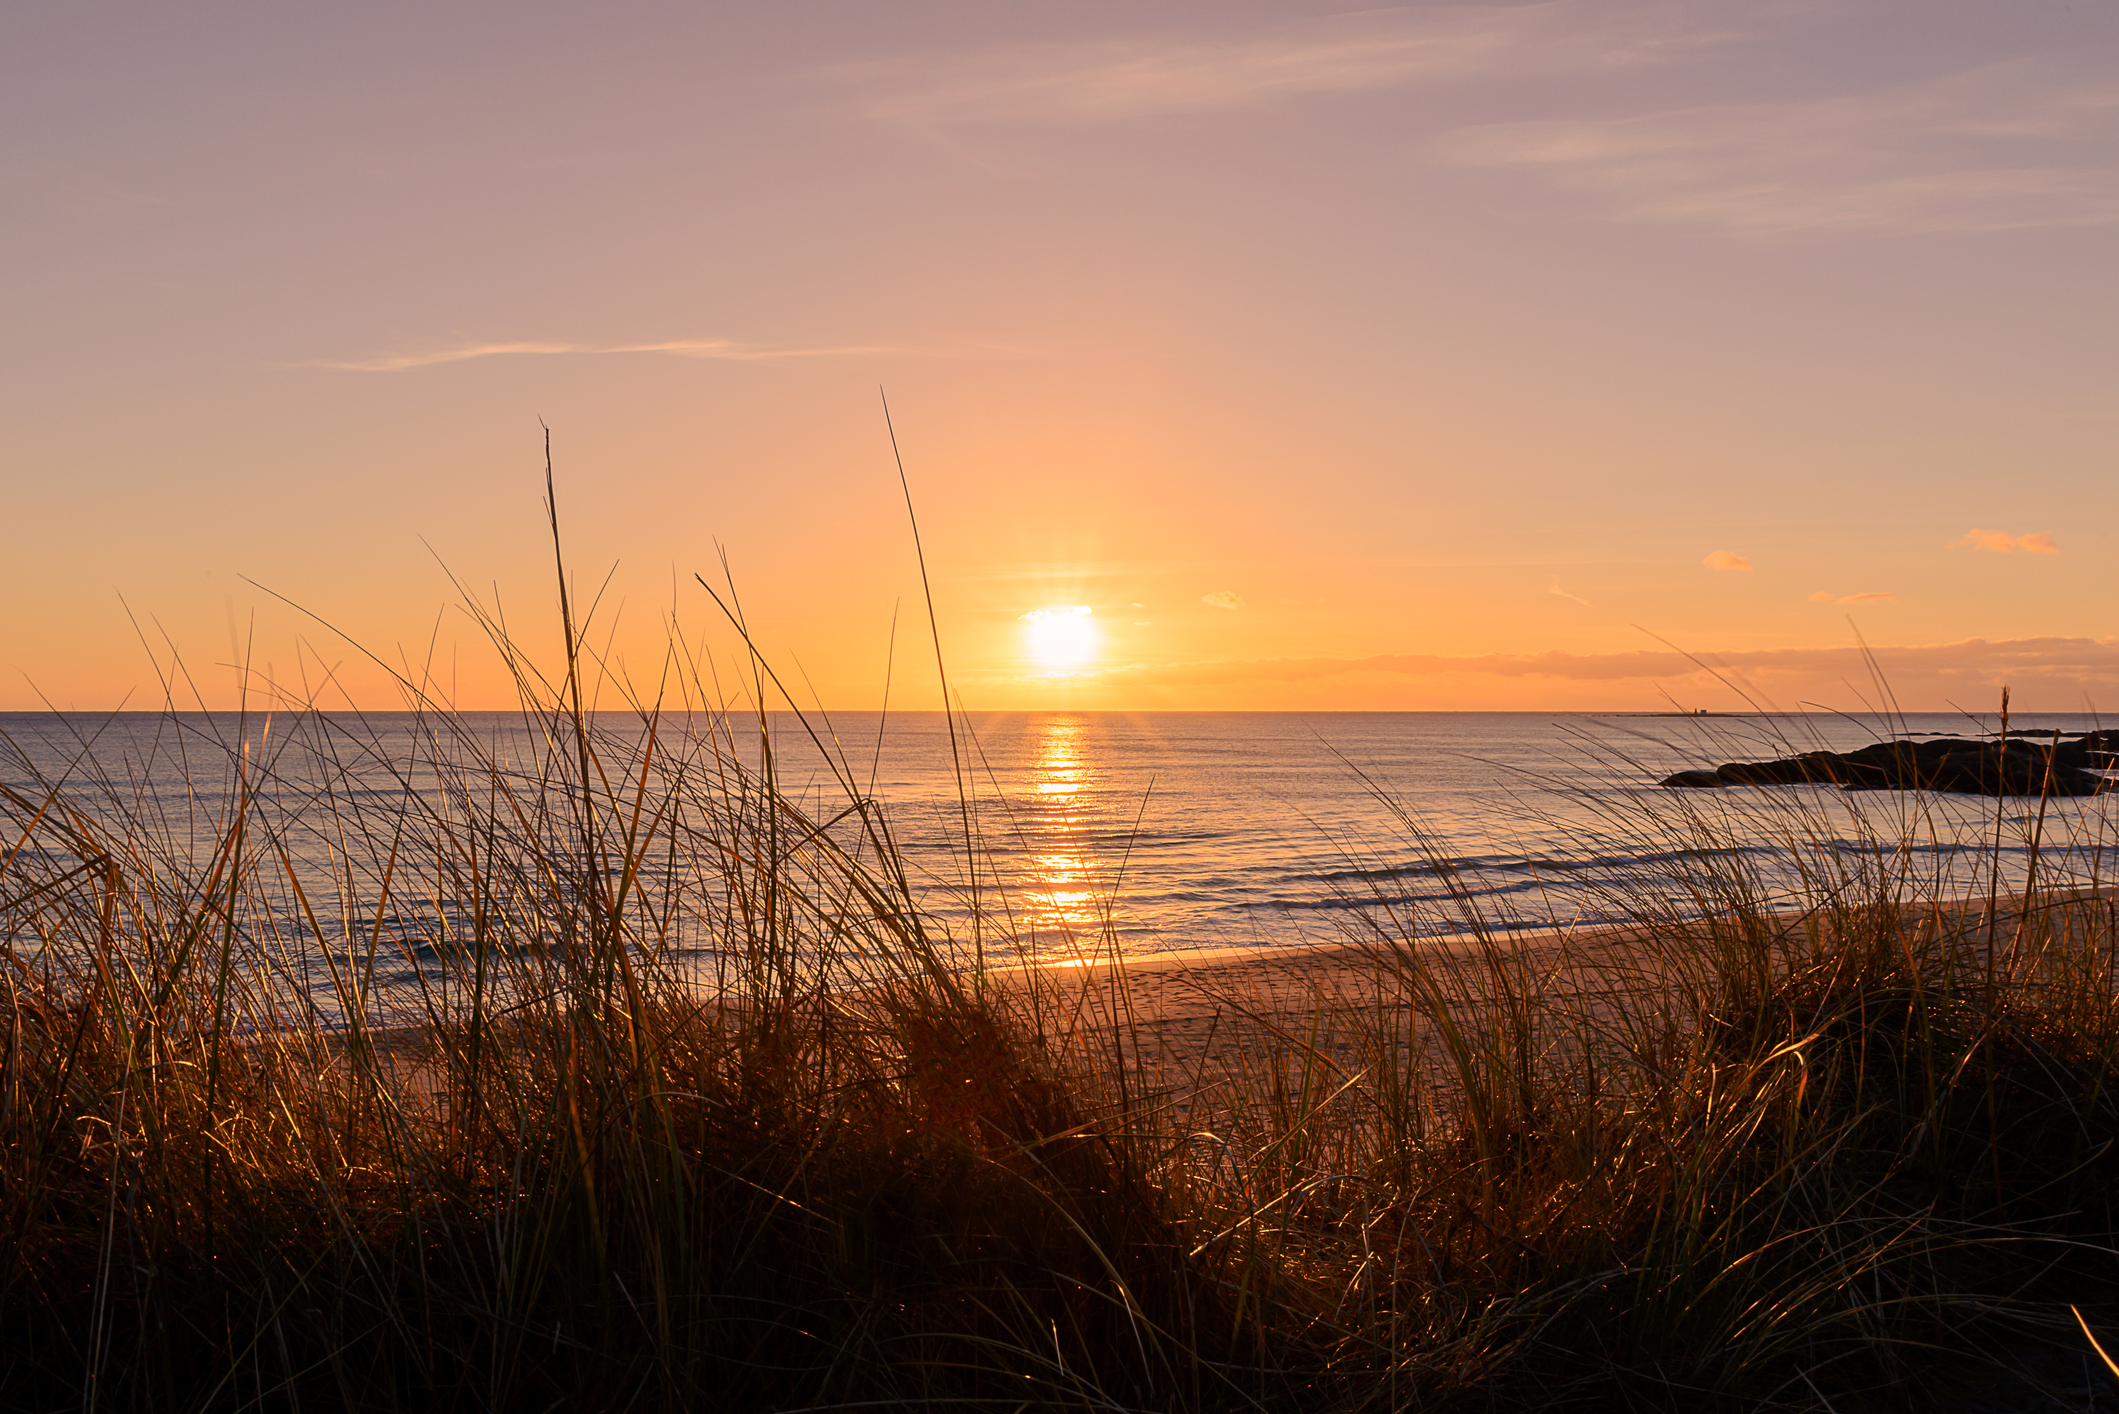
(1181, 831)
(1208, 830)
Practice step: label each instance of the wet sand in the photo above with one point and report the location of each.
(1188, 1017)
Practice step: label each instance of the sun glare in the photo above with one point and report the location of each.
(1062, 636)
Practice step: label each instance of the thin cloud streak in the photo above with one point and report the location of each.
(2009, 147)
(2001, 542)
(1149, 75)
(721, 350)
(1063, 570)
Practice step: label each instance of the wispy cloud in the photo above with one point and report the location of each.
(1826, 596)
(2011, 146)
(2087, 661)
(2003, 543)
(723, 350)
(1222, 599)
(1151, 74)
(1726, 560)
(1554, 588)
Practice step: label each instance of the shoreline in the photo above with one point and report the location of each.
(1174, 1007)
(1191, 1013)
(1195, 1017)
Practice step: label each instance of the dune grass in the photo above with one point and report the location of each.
(615, 1077)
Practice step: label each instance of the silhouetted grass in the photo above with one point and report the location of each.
(680, 1100)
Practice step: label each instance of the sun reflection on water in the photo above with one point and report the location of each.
(1060, 897)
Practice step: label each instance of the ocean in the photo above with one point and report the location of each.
(1157, 833)
(1189, 831)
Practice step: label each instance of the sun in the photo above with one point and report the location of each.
(1062, 636)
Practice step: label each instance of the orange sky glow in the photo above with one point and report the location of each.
(1555, 356)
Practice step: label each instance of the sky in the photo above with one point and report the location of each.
(1554, 356)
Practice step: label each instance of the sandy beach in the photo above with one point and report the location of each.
(1192, 1017)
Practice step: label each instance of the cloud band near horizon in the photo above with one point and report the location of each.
(2089, 661)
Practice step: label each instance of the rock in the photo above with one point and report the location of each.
(1693, 780)
(2024, 764)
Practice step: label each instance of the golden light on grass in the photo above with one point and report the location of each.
(669, 1051)
(1061, 637)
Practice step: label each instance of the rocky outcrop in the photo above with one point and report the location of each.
(2024, 764)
